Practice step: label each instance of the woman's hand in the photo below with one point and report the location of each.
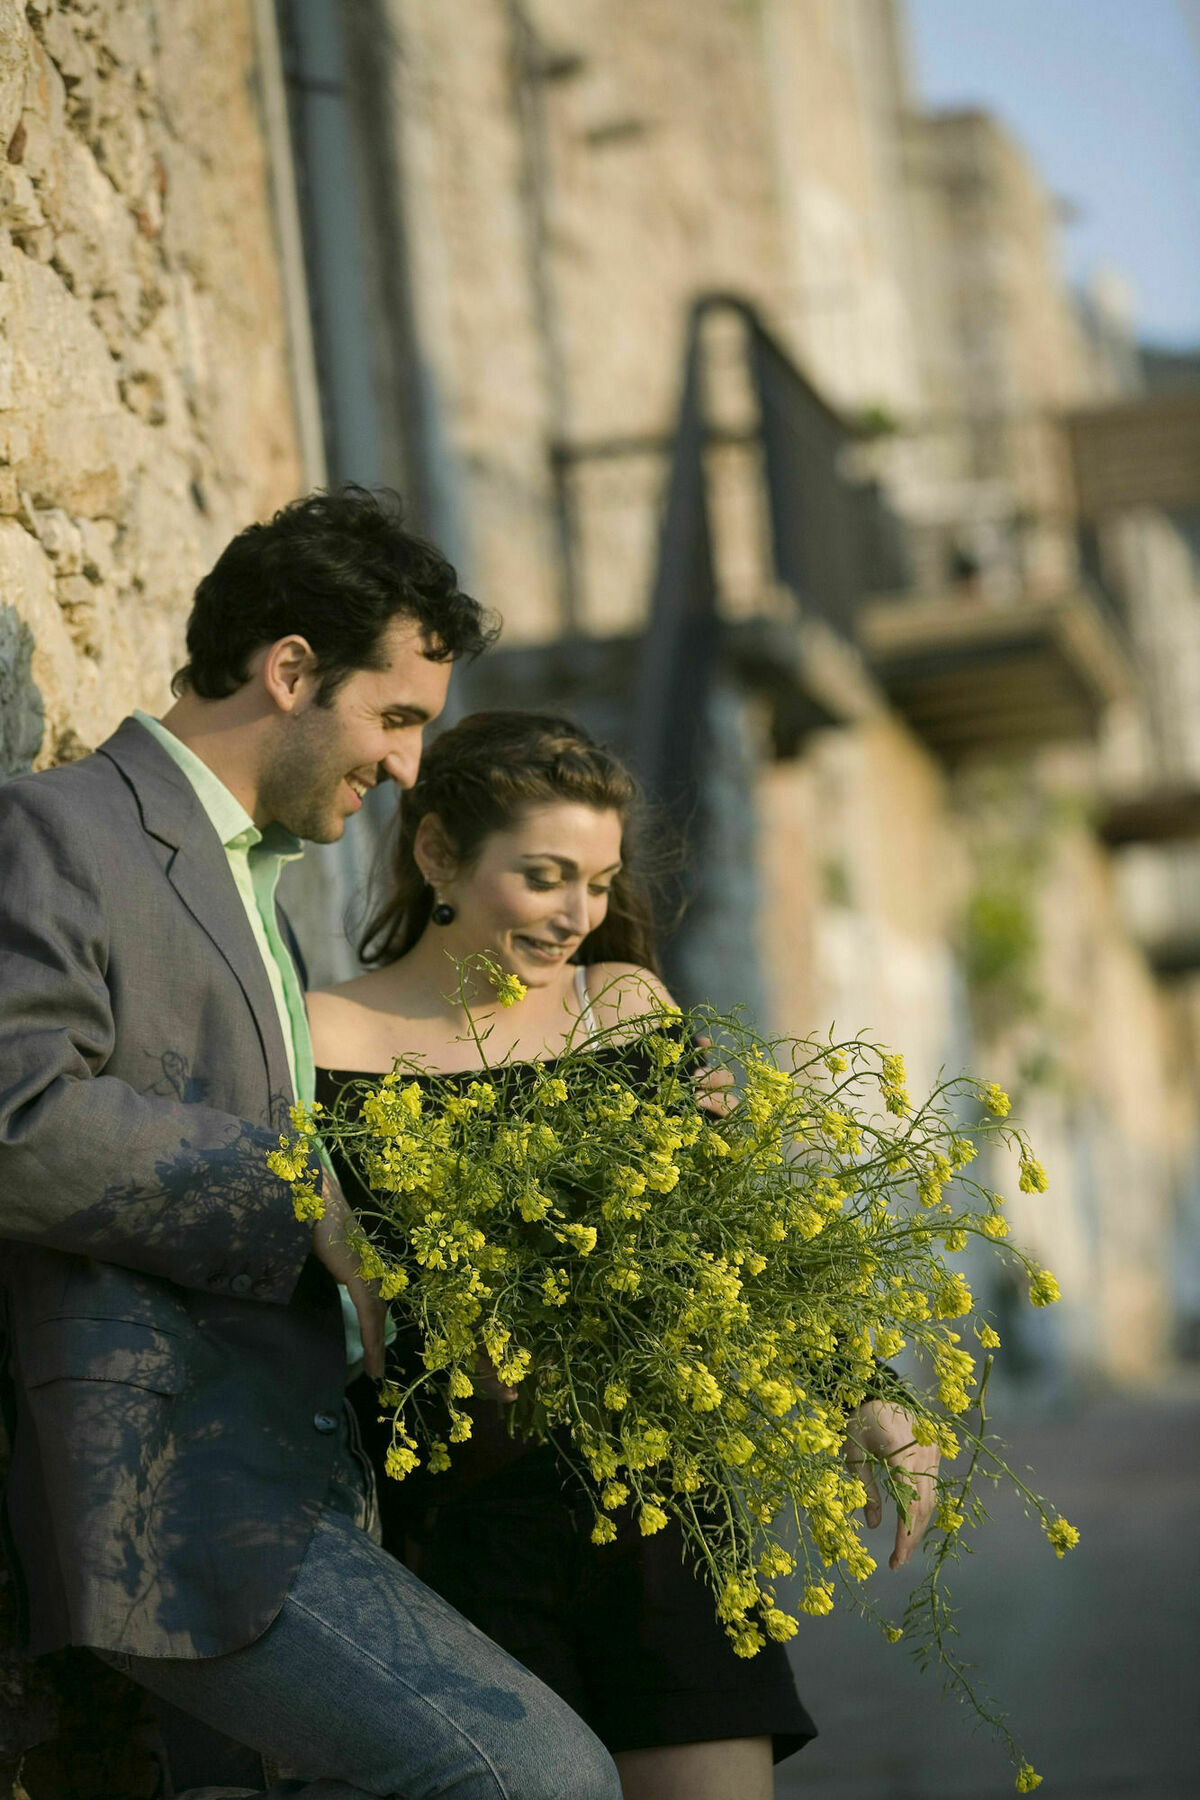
(489, 1382)
(712, 1086)
(883, 1431)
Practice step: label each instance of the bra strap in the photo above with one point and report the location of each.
(586, 1014)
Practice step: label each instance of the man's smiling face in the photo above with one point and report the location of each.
(370, 731)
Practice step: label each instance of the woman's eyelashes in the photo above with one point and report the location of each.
(542, 884)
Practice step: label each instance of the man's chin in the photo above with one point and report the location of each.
(326, 830)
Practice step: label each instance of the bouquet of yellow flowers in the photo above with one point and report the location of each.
(694, 1305)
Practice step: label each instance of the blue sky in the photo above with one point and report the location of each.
(1105, 95)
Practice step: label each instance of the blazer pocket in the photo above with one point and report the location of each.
(102, 1350)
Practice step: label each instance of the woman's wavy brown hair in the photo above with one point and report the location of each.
(479, 777)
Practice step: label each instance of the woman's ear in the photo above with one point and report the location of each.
(433, 852)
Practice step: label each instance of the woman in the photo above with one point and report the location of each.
(515, 841)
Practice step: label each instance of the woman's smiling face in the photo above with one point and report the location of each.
(536, 889)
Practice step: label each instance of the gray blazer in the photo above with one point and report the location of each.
(175, 1355)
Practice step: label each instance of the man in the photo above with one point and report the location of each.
(183, 1497)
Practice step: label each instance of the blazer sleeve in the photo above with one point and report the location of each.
(88, 1164)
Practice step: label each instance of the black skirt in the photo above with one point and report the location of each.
(625, 1632)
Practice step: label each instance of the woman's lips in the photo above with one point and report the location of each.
(543, 952)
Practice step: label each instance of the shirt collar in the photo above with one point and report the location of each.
(226, 814)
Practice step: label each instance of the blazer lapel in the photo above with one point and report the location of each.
(199, 872)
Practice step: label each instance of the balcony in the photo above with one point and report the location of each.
(1138, 452)
(1164, 815)
(977, 677)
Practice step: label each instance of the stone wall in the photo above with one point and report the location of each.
(145, 401)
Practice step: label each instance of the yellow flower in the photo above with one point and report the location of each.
(532, 1205)
(778, 1625)
(651, 1518)
(893, 1633)
(624, 1279)
(556, 1289)
(747, 1641)
(738, 1594)
(460, 1426)
(439, 1457)
(892, 1080)
(694, 1383)
(775, 1561)
(1033, 1181)
(509, 989)
(1043, 1289)
(1027, 1779)
(603, 1531)
(616, 1395)
(307, 1204)
(645, 1446)
(514, 1366)
(945, 1440)
(1062, 1536)
(996, 1100)
(949, 1517)
(401, 1459)
(292, 1160)
(613, 1494)
(988, 1338)
(951, 1298)
(817, 1598)
(460, 1385)
(582, 1237)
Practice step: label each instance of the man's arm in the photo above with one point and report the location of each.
(87, 1164)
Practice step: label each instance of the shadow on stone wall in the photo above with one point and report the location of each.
(22, 720)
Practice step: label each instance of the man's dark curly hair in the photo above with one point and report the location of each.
(334, 568)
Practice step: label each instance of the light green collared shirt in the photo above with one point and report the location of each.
(256, 860)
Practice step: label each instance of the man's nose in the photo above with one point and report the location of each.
(401, 767)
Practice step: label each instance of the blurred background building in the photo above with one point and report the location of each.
(752, 394)
(755, 399)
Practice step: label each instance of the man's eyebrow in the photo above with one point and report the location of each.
(567, 864)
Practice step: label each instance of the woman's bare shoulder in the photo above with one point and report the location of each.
(621, 991)
(339, 1018)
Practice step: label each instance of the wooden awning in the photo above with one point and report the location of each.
(1159, 816)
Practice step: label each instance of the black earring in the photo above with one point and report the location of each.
(443, 913)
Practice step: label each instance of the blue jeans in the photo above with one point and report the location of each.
(368, 1684)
